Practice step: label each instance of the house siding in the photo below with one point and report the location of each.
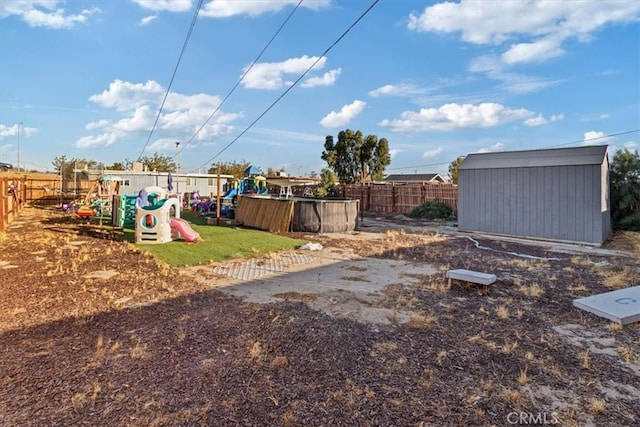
(549, 202)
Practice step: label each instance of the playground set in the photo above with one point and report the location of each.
(157, 218)
(253, 183)
(153, 213)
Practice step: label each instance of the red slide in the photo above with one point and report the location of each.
(185, 230)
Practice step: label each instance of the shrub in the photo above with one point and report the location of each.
(432, 209)
(629, 223)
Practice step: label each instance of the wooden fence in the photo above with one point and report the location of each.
(13, 194)
(44, 191)
(400, 198)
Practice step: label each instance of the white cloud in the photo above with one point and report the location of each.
(456, 116)
(557, 117)
(138, 104)
(537, 51)
(13, 130)
(431, 153)
(538, 120)
(228, 8)
(511, 82)
(498, 146)
(288, 135)
(594, 137)
(543, 25)
(346, 114)
(402, 89)
(168, 5)
(126, 96)
(269, 75)
(631, 145)
(97, 125)
(147, 19)
(102, 140)
(393, 153)
(142, 119)
(44, 13)
(327, 79)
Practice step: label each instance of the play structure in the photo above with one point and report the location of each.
(99, 198)
(123, 211)
(253, 183)
(157, 218)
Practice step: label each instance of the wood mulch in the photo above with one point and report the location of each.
(151, 346)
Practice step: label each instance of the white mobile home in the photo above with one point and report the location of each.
(205, 184)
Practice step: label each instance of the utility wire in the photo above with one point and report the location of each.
(543, 148)
(595, 138)
(175, 71)
(362, 15)
(241, 77)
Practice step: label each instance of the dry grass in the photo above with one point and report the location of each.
(596, 406)
(585, 359)
(279, 362)
(533, 290)
(523, 377)
(502, 312)
(139, 350)
(256, 353)
(614, 327)
(423, 321)
(510, 348)
(627, 354)
(617, 278)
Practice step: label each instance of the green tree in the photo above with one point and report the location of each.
(327, 183)
(453, 169)
(59, 162)
(624, 173)
(158, 163)
(355, 158)
(117, 166)
(67, 166)
(234, 168)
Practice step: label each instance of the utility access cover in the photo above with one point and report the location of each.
(622, 306)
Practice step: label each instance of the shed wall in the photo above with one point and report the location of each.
(551, 202)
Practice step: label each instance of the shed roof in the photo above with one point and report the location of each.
(413, 177)
(575, 156)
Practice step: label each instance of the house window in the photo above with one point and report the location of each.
(191, 181)
(211, 182)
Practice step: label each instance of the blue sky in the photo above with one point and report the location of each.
(437, 79)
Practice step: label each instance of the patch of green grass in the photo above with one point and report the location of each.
(220, 243)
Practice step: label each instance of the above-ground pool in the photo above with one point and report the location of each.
(311, 215)
(328, 215)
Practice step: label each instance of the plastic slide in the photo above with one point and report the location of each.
(185, 230)
(229, 194)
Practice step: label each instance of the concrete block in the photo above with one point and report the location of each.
(472, 276)
(621, 306)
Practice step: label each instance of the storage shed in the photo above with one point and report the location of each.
(556, 194)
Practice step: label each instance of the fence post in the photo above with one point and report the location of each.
(4, 204)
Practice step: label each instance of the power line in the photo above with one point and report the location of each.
(595, 138)
(552, 146)
(175, 71)
(242, 77)
(362, 15)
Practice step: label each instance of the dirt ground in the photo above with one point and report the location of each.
(364, 332)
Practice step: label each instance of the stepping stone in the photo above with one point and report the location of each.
(621, 306)
(471, 276)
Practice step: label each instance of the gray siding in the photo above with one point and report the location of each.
(139, 181)
(550, 202)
